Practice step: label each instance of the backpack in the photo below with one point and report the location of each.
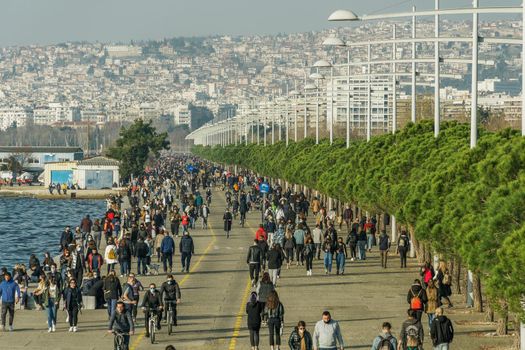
(402, 241)
(385, 344)
(412, 333)
(416, 303)
(112, 255)
(447, 280)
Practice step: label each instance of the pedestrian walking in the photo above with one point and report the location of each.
(167, 249)
(444, 283)
(110, 255)
(384, 247)
(275, 261)
(51, 299)
(403, 246)
(328, 249)
(309, 252)
(187, 249)
(264, 288)
(274, 312)
(142, 256)
(412, 334)
(73, 304)
(10, 295)
(254, 309)
(317, 236)
(327, 334)
(385, 340)
(112, 291)
(254, 261)
(300, 338)
(361, 245)
(341, 254)
(417, 298)
(228, 219)
(441, 331)
(432, 302)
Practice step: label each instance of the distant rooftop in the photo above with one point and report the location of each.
(40, 149)
(99, 161)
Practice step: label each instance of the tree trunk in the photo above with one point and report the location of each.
(418, 247)
(478, 297)
(489, 315)
(503, 321)
(464, 281)
(457, 276)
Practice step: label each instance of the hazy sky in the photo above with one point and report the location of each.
(51, 21)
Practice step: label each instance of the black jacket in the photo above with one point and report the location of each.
(417, 290)
(112, 288)
(170, 291)
(254, 311)
(186, 245)
(141, 250)
(152, 300)
(73, 297)
(255, 255)
(295, 340)
(275, 259)
(121, 322)
(441, 331)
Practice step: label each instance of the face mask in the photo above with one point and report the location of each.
(152, 290)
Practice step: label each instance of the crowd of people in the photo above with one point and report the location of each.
(169, 201)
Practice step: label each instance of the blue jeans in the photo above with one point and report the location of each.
(185, 260)
(328, 261)
(124, 267)
(431, 318)
(141, 261)
(361, 245)
(51, 313)
(370, 240)
(340, 261)
(112, 304)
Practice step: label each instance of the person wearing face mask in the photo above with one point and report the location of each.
(152, 303)
(300, 338)
(327, 334)
(170, 293)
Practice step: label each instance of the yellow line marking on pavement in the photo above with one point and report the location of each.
(240, 314)
(242, 308)
(139, 338)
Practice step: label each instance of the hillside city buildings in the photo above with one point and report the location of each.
(78, 82)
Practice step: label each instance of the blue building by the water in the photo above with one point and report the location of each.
(33, 158)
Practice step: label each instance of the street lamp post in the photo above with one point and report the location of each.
(394, 80)
(413, 112)
(437, 101)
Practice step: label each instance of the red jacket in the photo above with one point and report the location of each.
(261, 234)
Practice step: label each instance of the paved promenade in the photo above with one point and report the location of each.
(215, 292)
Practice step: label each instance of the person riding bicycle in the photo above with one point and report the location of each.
(152, 303)
(170, 293)
(121, 322)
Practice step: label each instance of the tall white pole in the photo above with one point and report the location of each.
(348, 100)
(273, 125)
(413, 114)
(437, 101)
(264, 125)
(305, 115)
(523, 87)
(246, 133)
(258, 128)
(286, 121)
(317, 118)
(295, 116)
(394, 81)
(473, 121)
(474, 89)
(369, 96)
(331, 125)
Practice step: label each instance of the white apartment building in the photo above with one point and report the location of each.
(123, 51)
(56, 112)
(182, 115)
(351, 95)
(14, 116)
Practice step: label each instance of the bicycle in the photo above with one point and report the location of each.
(119, 340)
(152, 325)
